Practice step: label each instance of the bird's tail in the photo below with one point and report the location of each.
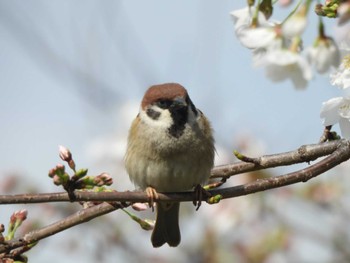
(166, 229)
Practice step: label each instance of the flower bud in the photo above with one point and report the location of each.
(21, 214)
(215, 199)
(324, 54)
(139, 206)
(16, 220)
(80, 173)
(71, 164)
(60, 169)
(103, 179)
(285, 3)
(52, 172)
(147, 224)
(144, 223)
(64, 153)
(57, 180)
(344, 13)
(88, 182)
(294, 26)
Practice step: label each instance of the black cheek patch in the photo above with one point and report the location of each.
(153, 114)
(179, 116)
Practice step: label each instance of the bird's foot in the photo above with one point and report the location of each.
(152, 195)
(200, 193)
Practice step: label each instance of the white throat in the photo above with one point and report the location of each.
(163, 121)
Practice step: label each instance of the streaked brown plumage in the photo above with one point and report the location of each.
(170, 148)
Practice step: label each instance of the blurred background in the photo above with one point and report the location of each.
(73, 73)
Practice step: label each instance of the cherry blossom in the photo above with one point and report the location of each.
(244, 17)
(324, 54)
(284, 64)
(252, 34)
(337, 110)
(294, 26)
(341, 77)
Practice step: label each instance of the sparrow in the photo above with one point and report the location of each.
(170, 149)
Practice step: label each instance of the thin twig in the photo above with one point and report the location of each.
(338, 152)
(306, 153)
(77, 218)
(341, 154)
(325, 134)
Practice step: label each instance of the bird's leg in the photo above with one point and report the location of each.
(152, 195)
(200, 192)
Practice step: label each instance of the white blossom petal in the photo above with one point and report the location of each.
(341, 78)
(337, 110)
(284, 64)
(344, 109)
(294, 26)
(342, 36)
(243, 17)
(254, 38)
(324, 54)
(344, 125)
(330, 111)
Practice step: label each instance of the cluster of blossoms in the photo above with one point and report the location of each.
(337, 110)
(278, 48)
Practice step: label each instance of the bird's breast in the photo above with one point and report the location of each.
(156, 158)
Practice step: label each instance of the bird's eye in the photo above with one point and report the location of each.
(164, 104)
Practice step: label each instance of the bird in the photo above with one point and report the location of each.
(170, 149)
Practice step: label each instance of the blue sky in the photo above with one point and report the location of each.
(69, 68)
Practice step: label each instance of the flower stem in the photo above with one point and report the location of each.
(321, 33)
(255, 21)
(293, 11)
(295, 44)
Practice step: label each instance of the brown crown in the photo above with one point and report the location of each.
(163, 91)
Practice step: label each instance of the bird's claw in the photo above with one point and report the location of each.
(152, 195)
(200, 193)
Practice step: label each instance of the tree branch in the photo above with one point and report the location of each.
(337, 151)
(341, 154)
(305, 153)
(77, 218)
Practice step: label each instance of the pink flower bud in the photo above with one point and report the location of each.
(344, 13)
(57, 180)
(64, 153)
(60, 166)
(103, 179)
(71, 164)
(139, 206)
(20, 215)
(52, 172)
(285, 3)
